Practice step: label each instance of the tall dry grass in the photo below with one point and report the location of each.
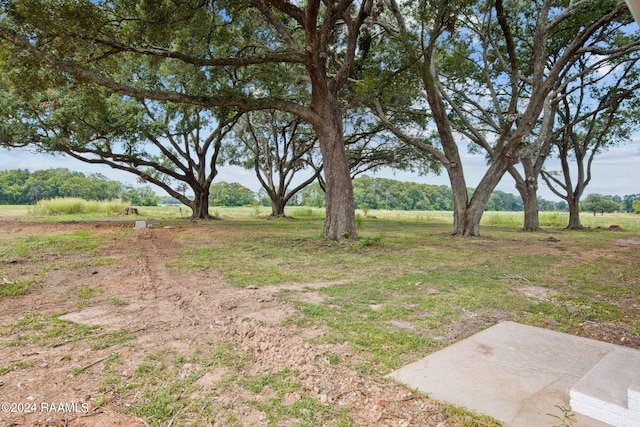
(72, 206)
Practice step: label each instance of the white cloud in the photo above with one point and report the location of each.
(23, 159)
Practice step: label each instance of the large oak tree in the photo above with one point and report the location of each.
(278, 147)
(485, 73)
(245, 49)
(173, 146)
(591, 118)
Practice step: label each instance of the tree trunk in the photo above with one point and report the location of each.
(277, 206)
(574, 214)
(528, 189)
(470, 224)
(200, 206)
(340, 220)
(531, 211)
(460, 197)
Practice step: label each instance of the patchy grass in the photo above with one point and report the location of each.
(47, 331)
(465, 418)
(408, 288)
(16, 366)
(51, 331)
(168, 391)
(41, 247)
(25, 259)
(117, 302)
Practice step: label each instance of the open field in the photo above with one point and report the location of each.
(248, 321)
(554, 220)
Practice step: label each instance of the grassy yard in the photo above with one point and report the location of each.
(408, 288)
(53, 211)
(405, 289)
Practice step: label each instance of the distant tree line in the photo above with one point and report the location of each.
(384, 193)
(22, 187)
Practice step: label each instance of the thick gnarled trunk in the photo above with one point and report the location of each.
(574, 214)
(528, 189)
(200, 205)
(531, 210)
(469, 221)
(277, 206)
(340, 220)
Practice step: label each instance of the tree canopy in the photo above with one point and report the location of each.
(249, 55)
(155, 88)
(489, 71)
(597, 203)
(278, 147)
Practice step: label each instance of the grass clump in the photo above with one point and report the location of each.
(51, 331)
(73, 206)
(464, 418)
(306, 410)
(86, 293)
(163, 402)
(16, 366)
(15, 288)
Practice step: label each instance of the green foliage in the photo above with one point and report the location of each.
(546, 205)
(598, 203)
(313, 196)
(12, 187)
(140, 196)
(383, 193)
(636, 206)
(230, 194)
(21, 187)
(629, 203)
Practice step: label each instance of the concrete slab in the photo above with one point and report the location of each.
(609, 391)
(518, 374)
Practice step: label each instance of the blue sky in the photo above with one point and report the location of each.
(615, 172)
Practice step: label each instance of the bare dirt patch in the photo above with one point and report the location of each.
(628, 241)
(139, 307)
